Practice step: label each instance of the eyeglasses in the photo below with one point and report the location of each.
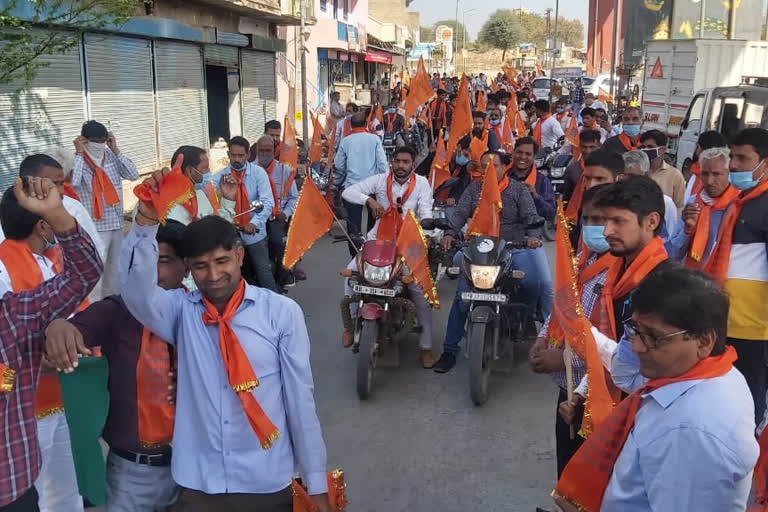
(632, 331)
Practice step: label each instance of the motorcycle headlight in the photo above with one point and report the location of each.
(557, 172)
(376, 275)
(539, 162)
(484, 276)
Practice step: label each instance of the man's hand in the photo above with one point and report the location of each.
(447, 242)
(63, 343)
(281, 217)
(533, 243)
(46, 367)
(112, 143)
(80, 145)
(690, 217)
(41, 196)
(567, 409)
(378, 210)
(228, 187)
(147, 216)
(547, 361)
(249, 229)
(322, 502)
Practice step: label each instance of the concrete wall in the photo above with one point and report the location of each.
(197, 14)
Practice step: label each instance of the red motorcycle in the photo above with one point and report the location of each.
(384, 310)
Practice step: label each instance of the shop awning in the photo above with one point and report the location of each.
(374, 55)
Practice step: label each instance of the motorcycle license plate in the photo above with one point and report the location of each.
(557, 182)
(369, 290)
(484, 297)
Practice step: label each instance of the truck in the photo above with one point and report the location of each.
(676, 71)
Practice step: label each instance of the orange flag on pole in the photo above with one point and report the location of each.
(508, 144)
(420, 91)
(289, 154)
(478, 147)
(440, 168)
(520, 127)
(461, 122)
(316, 147)
(482, 103)
(512, 106)
(174, 188)
(486, 220)
(412, 248)
(312, 219)
(511, 72)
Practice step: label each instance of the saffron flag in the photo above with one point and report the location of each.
(508, 142)
(174, 189)
(311, 220)
(486, 220)
(316, 146)
(478, 147)
(572, 137)
(420, 91)
(511, 72)
(482, 102)
(289, 154)
(412, 248)
(520, 127)
(461, 122)
(569, 324)
(439, 171)
(512, 106)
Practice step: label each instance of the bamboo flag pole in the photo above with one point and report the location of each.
(568, 356)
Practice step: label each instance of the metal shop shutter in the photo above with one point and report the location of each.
(181, 103)
(121, 93)
(48, 113)
(259, 92)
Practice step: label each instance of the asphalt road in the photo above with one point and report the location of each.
(419, 444)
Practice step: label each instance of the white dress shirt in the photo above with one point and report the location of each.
(420, 201)
(550, 132)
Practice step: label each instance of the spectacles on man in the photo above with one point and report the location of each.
(632, 331)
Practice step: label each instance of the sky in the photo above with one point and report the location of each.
(435, 10)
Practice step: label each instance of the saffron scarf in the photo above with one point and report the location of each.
(241, 377)
(628, 143)
(574, 205)
(586, 476)
(696, 176)
(155, 415)
(648, 259)
(102, 189)
(389, 225)
(537, 129)
(242, 204)
(70, 191)
(701, 233)
(531, 178)
(270, 169)
(719, 260)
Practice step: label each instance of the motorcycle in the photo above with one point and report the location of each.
(385, 313)
(391, 142)
(552, 164)
(497, 320)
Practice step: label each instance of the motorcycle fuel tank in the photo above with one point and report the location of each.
(379, 253)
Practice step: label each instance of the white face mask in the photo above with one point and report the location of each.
(96, 151)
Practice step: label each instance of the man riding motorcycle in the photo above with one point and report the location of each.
(517, 208)
(403, 190)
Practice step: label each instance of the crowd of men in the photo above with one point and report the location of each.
(672, 275)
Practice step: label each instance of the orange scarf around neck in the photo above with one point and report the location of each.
(601, 264)
(270, 169)
(155, 415)
(701, 233)
(574, 205)
(537, 129)
(103, 191)
(389, 225)
(240, 374)
(696, 176)
(615, 288)
(720, 258)
(532, 176)
(586, 476)
(70, 191)
(628, 143)
(242, 204)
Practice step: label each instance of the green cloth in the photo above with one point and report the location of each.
(86, 404)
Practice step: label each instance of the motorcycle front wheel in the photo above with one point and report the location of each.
(366, 358)
(480, 343)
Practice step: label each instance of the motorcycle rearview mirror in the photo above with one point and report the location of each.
(428, 224)
(534, 221)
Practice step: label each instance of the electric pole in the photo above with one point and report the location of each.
(554, 37)
(304, 113)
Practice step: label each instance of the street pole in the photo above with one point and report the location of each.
(304, 113)
(456, 36)
(613, 49)
(732, 21)
(554, 37)
(702, 17)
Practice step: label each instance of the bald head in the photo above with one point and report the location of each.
(357, 120)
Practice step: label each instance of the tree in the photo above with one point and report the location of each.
(458, 32)
(502, 30)
(571, 32)
(23, 40)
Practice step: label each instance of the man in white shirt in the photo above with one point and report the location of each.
(547, 129)
(637, 162)
(336, 111)
(403, 189)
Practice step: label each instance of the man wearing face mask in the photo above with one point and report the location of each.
(285, 195)
(97, 177)
(195, 167)
(394, 123)
(251, 183)
(627, 140)
(654, 144)
(497, 127)
(345, 128)
(739, 260)
(389, 196)
(562, 114)
(545, 356)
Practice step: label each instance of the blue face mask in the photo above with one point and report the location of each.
(743, 180)
(595, 239)
(559, 110)
(495, 122)
(461, 160)
(632, 130)
(391, 110)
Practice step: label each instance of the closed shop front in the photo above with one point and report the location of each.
(181, 103)
(121, 93)
(259, 92)
(48, 113)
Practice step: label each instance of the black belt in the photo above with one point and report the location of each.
(161, 459)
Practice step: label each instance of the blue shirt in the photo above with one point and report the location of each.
(360, 156)
(692, 447)
(258, 187)
(215, 450)
(678, 244)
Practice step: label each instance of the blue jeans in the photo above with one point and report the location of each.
(529, 295)
(538, 287)
(261, 264)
